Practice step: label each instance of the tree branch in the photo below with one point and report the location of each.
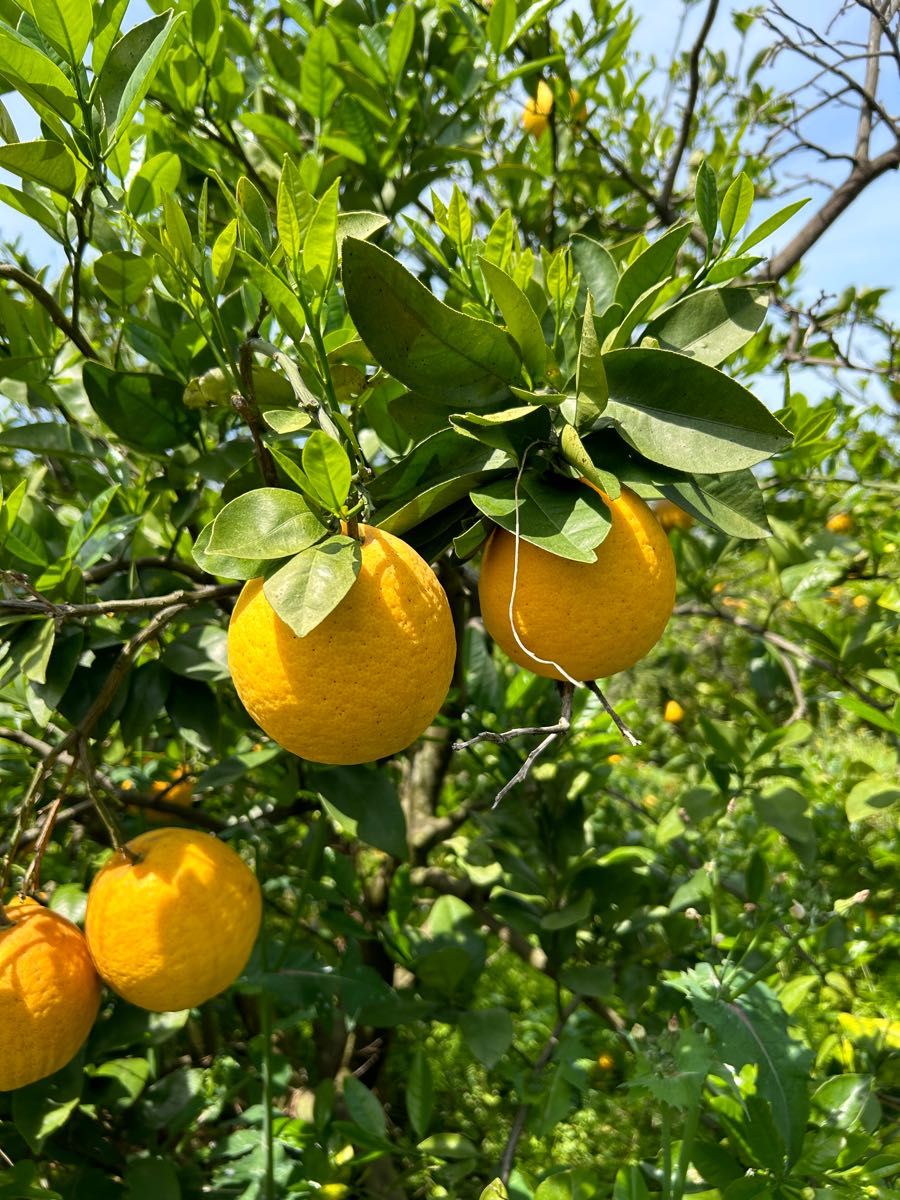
(665, 195)
(822, 220)
(864, 129)
(55, 313)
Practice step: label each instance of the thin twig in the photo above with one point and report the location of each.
(184, 598)
(55, 313)
(631, 738)
(518, 1125)
(665, 196)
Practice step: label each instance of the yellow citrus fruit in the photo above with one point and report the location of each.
(537, 110)
(839, 523)
(180, 792)
(579, 115)
(606, 1062)
(175, 927)
(615, 759)
(860, 601)
(592, 619)
(670, 516)
(310, 693)
(673, 712)
(49, 994)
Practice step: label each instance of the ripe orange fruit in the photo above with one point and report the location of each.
(673, 712)
(615, 759)
(606, 1062)
(49, 994)
(310, 694)
(175, 927)
(537, 110)
(592, 619)
(670, 516)
(839, 523)
(179, 791)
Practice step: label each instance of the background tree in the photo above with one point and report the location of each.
(653, 969)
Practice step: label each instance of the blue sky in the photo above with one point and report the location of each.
(862, 248)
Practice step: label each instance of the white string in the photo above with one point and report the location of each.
(547, 662)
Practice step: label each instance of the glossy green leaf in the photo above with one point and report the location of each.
(363, 803)
(47, 163)
(591, 388)
(597, 268)
(265, 523)
(651, 267)
(328, 469)
(130, 69)
(320, 85)
(706, 199)
(66, 24)
(146, 411)
(320, 243)
(39, 81)
(560, 516)
(711, 325)
(420, 1093)
(501, 19)
(285, 305)
(488, 1032)
(872, 798)
(736, 205)
(51, 438)
(684, 414)
(520, 317)
(401, 40)
(576, 455)
(770, 225)
(295, 207)
(305, 590)
(122, 276)
(159, 176)
(732, 503)
(226, 565)
(361, 225)
(512, 430)
(433, 349)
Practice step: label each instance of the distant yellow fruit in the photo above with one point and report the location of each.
(311, 694)
(49, 994)
(670, 516)
(537, 110)
(673, 712)
(606, 1062)
(579, 115)
(860, 601)
(839, 523)
(175, 927)
(615, 759)
(592, 619)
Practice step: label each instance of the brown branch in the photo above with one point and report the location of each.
(864, 129)
(837, 203)
(665, 195)
(541, 1061)
(103, 571)
(55, 313)
(184, 598)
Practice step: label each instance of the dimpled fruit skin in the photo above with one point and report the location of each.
(49, 994)
(594, 619)
(176, 927)
(368, 680)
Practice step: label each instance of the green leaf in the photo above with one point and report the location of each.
(361, 225)
(122, 276)
(732, 503)
(152, 1179)
(630, 1185)
(562, 517)
(145, 411)
(48, 163)
(711, 325)
(762, 231)
(588, 981)
(223, 255)
(253, 216)
(284, 304)
(39, 81)
(363, 803)
(50, 438)
(871, 798)
(459, 219)
(706, 199)
(848, 1102)
(520, 317)
(494, 1191)
(400, 42)
(420, 1093)
(130, 69)
(591, 388)
(328, 469)
(501, 20)
(229, 566)
(159, 176)
(574, 452)
(736, 205)
(597, 268)
(66, 24)
(651, 267)
(364, 1107)
(308, 588)
(268, 522)
(42, 1108)
(294, 208)
(319, 84)
(439, 352)
(320, 244)
(512, 430)
(785, 810)
(681, 413)
(488, 1032)
(754, 1029)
